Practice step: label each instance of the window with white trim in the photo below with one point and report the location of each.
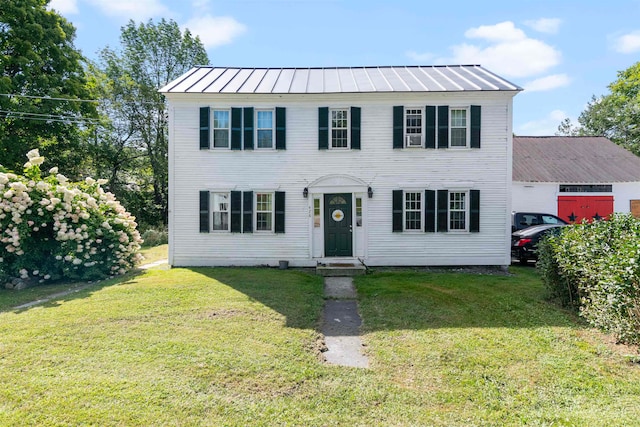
(220, 210)
(413, 210)
(316, 212)
(458, 127)
(264, 212)
(413, 127)
(358, 211)
(221, 128)
(264, 129)
(339, 128)
(458, 210)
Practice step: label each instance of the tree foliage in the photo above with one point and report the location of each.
(134, 144)
(615, 115)
(38, 60)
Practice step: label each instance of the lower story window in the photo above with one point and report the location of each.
(457, 210)
(220, 209)
(412, 210)
(264, 212)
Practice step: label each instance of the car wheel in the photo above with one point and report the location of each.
(523, 261)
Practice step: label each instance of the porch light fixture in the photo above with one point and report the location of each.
(370, 192)
(305, 192)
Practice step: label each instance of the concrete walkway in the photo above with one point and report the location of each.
(341, 326)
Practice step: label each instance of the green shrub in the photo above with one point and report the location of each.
(51, 228)
(153, 237)
(596, 267)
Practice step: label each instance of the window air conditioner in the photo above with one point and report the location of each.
(414, 140)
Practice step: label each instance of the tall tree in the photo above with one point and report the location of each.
(615, 115)
(38, 62)
(150, 56)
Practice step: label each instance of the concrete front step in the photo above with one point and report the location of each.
(340, 269)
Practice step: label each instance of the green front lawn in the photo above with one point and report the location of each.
(240, 347)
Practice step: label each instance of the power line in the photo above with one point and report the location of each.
(9, 113)
(49, 98)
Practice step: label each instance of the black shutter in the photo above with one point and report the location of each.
(247, 212)
(279, 207)
(355, 128)
(236, 128)
(476, 118)
(204, 128)
(236, 211)
(397, 210)
(430, 127)
(204, 211)
(443, 126)
(398, 126)
(429, 211)
(248, 128)
(281, 128)
(443, 210)
(474, 219)
(323, 128)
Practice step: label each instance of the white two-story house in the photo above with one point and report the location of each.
(387, 165)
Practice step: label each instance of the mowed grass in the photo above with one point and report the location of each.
(238, 347)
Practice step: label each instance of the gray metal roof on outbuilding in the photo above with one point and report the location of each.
(572, 160)
(445, 78)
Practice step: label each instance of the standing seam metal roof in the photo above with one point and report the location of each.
(437, 78)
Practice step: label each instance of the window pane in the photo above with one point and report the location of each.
(458, 137)
(265, 139)
(220, 209)
(339, 138)
(221, 138)
(459, 118)
(265, 119)
(221, 221)
(316, 212)
(358, 212)
(220, 119)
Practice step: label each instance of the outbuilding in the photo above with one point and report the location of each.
(575, 178)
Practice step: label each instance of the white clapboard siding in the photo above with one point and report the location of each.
(379, 165)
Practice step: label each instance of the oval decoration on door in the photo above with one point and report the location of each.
(337, 215)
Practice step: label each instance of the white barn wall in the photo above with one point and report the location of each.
(543, 196)
(377, 163)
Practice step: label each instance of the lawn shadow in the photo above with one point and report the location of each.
(295, 294)
(72, 291)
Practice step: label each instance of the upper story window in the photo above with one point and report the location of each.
(413, 210)
(264, 211)
(413, 127)
(458, 127)
(264, 128)
(340, 128)
(221, 128)
(457, 210)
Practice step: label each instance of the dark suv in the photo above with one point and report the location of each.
(522, 220)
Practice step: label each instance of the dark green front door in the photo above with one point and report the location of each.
(337, 225)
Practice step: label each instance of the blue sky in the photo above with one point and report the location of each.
(561, 52)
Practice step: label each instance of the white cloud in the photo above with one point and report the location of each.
(200, 4)
(545, 126)
(64, 7)
(545, 25)
(419, 57)
(137, 10)
(215, 31)
(504, 49)
(547, 83)
(502, 32)
(628, 43)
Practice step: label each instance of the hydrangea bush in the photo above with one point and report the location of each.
(52, 228)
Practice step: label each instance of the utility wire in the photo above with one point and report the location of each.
(9, 113)
(95, 101)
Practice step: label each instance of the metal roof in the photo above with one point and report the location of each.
(444, 78)
(572, 160)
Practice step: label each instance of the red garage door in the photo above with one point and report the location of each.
(577, 208)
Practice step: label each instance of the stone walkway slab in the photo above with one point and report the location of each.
(341, 325)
